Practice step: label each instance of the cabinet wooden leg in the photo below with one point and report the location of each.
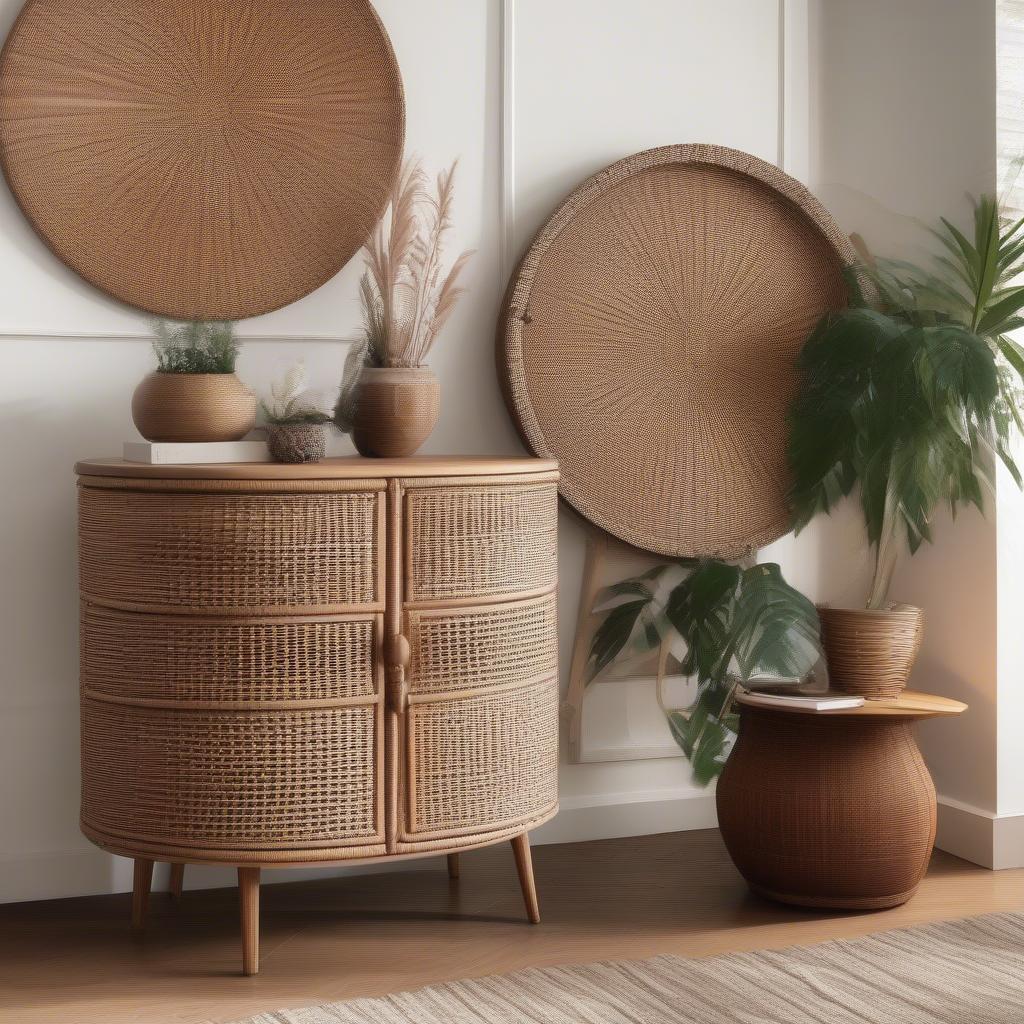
(453, 865)
(524, 865)
(177, 880)
(249, 893)
(141, 885)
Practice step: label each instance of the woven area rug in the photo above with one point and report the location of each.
(958, 972)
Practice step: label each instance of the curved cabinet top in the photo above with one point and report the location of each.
(352, 468)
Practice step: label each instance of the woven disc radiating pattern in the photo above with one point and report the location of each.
(649, 339)
(197, 159)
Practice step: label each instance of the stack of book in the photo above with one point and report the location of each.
(801, 701)
(169, 453)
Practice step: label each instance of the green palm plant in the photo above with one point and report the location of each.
(911, 399)
(726, 624)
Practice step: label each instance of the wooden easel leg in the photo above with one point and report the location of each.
(141, 885)
(524, 866)
(453, 865)
(249, 893)
(177, 880)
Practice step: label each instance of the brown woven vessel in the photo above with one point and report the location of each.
(827, 810)
(649, 337)
(193, 407)
(871, 653)
(201, 160)
(396, 410)
(297, 442)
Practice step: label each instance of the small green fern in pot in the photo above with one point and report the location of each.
(194, 394)
(908, 402)
(723, 625)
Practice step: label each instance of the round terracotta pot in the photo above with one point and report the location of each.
(297, 442)
(871, 653)
(395, 410)
(193, 407)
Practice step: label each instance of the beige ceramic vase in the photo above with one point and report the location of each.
(193, 407)
(395, 410)
(870, 652)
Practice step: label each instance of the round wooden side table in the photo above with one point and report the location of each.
(831, 808)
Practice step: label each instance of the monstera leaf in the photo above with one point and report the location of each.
(727, 624)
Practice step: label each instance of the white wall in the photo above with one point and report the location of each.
(588, 81)
(904, 128)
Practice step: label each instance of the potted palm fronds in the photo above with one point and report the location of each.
(194, 394)
(295, 421)
(390, 398)
(724, 625)
(910, 399)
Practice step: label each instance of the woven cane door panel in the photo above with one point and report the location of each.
(483, 762)
(180, 658)
(224, 780)
(230, 553)
(483, 649)
(470, 542)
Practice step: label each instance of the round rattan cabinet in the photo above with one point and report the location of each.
(297, 664)
(831, 808)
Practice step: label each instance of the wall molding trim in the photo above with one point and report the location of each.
(9, 334)
(507, 198)
(794, 84)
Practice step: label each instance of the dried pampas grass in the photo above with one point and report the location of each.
(406, 293)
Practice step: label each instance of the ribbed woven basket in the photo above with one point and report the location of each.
(649, 338)
(871, 653)
(193, 407)
(396, 410)
(201, 160)
(827, 811)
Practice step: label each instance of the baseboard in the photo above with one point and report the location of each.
(85, 870)
(642, 814)
(991, 840)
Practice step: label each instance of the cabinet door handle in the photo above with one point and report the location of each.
(397, 655)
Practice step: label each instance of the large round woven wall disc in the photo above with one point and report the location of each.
(649, 339)
(198, 159)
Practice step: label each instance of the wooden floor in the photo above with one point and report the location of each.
(74, 961)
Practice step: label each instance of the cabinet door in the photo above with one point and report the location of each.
(224, 734)
(479, 729)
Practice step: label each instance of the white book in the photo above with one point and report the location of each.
(173, 453)
(805, 702)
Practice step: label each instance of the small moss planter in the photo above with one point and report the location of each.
(297, 442)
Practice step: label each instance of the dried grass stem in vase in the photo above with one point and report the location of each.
(389, 398)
